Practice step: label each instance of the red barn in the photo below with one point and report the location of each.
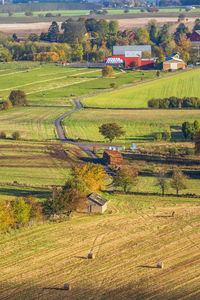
(195, 36)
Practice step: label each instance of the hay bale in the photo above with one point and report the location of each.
(91, 255)
(67, 287)
(160, 265)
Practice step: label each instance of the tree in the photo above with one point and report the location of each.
(75, 183)
(5, 55)
(77, 52)
(93, 175)
(7, 218)
(125, 178)
(18, 97)
(111, 131)
(16, 135)
(142, 36)
(33, 37)
(53, 32)
(197, 142)
(153, 30)
(72, 31)
(22, 211)
(179, 180)
(102, 28)
(113, 27)
(107, 71)
(196, 25)
(2, 134)
(161, 181)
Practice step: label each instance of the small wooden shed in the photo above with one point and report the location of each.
(95, 203)
(111, 157)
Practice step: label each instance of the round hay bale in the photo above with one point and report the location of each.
(91, 255)
(160, 265)
(67, 287)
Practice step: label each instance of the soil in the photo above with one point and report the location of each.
(24, 29)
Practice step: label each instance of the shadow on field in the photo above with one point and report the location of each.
(81, 257)
(20, 192)
(148, 267)
(92, 160)
(164, 217)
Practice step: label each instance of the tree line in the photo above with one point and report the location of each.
(174, 102)
(92, 40)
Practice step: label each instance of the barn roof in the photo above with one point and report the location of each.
(173, 58)
(121, 49)
(113, 153)
(198, 32)
(98, 199)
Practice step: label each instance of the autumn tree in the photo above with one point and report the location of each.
(161, 181)
(22, 211)
(7, 218)
(178, 181)
(93, 175)
(197, 142)
(18, 97)
(111, 131)
(107, 71)
(125, 178)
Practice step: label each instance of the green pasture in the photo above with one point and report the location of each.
(139, 125)
(74, 13)
(33, 123)
(180, 85)
(36, 164)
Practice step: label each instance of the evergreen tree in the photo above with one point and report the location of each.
(53, 32)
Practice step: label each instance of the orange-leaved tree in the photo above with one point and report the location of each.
(93, 175)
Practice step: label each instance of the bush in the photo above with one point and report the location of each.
(158, 136)
(28, 13)
(18, 97)
(107, 71)
(22, 211)
(173, 151)
(113, 85)
(2, 135)
(16, 135)
(190, 151)
(7, 104)
(174, 102)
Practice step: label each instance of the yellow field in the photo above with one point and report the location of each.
(36, 262)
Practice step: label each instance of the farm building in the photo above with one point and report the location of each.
(173, 63)
(130, 57)
(95, 203)
(111, 157)
(195, 37)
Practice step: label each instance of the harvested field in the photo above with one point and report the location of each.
(24, 29)
(36, 262)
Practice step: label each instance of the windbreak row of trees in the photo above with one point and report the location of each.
(174, 102)
(92, 40)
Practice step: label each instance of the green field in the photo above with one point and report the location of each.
(36, 164)
(73, 13)
(127, 241)
(180, 85)
(140, 125)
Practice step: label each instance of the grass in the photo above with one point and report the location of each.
(71, 13)
(139, 125)
(36, 262)
(36, 164)
(180, 85)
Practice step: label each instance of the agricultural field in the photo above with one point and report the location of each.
(36, 164)
(127, 241)
(140, 125)
(185, 84)
(74, 13)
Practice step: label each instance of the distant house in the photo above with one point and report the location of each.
(111, 157)
(173, 63)
(95, 203)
